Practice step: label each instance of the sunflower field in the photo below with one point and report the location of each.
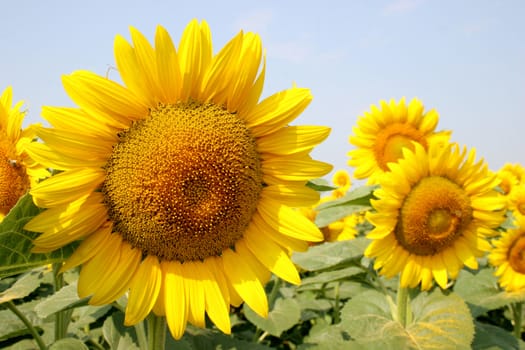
(174, 208)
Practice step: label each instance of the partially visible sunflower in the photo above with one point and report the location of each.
(17, 171)
(345, 228)
(179, 182)
(516, 201)
(508, 256)
(381, 135)
(507, 181)
(433, 214)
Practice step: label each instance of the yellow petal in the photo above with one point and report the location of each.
(271, 255)
(67, 187)
(245, 282)
(89, 247)
(168, 67)
(144, 290)
(288, 221)
(278, 110)
(292, 139)
(176, 304)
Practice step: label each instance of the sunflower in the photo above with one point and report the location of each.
(516, 201)
(508, 257)
(381, 135)
(179, 182)
(434, 211)
(345, 228)
(17, 171)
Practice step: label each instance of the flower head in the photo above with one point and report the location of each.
(433, 213)
(508, 256)
(179, 182)
(381, 135)
(17, 170)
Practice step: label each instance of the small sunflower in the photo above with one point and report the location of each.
(507, 181)
(17, 171)
(381, 135)
(180, 182)
(433, 213)
(345, 228)
(508, 256)
(516, 201)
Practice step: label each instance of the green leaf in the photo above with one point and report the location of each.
(329, 254)
(331, 276)
(357, 200)
(358, 196)
(16, 243)
(439, 322)
(324, 336)
(68, 344)
(284, 315)
(24, 286)
(117, 335)
(64, 299)
(489, 337)
(206, 339)
(320, 185)
(482, 293)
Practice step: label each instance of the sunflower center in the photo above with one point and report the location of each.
(433, 216)
(391, 140)
(521, 208)
(183, 183)
(14, 183)
(516, 254)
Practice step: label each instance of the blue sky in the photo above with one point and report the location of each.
(466, 59)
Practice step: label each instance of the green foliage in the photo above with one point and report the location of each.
(342, 303)
(357, 200)
(16, 243)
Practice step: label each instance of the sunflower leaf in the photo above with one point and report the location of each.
(481, 292)
(320, 185)
(491, 337)
(23, 286)
(439, 321)
(284, 315)
(68, 344)
(117, 335)
(16, 243)
(64, 299)
(330, 254)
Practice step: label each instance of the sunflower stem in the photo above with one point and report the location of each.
(60, 320)
(11, 306)
(517, 310)
(402, 305)
(156, 332)
(141, 336)
(336, 315)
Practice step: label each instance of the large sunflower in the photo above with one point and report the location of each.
(180, 181)
(381, 135)
(433, 212)
(17, 171)
(509, 258)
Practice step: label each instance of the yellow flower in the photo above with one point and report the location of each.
(508, 257)
(345, 228)
(180, 182)
(516, 200)
(433, 213)
(17, 171)
(507, 181)
(381, 135)
(515, 169)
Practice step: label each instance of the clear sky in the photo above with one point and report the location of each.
(464, 58)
